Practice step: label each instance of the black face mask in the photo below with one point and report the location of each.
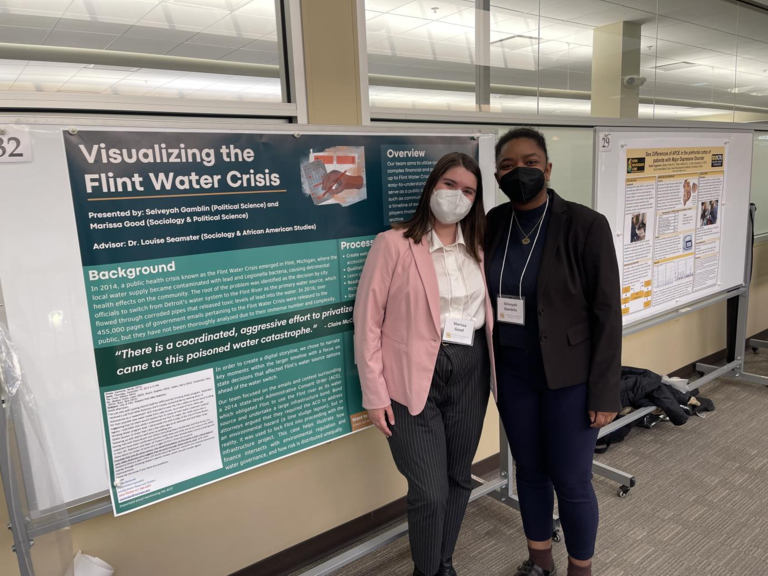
(522, 184)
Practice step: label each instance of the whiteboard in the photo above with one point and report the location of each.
(612, 191)
(43, 291)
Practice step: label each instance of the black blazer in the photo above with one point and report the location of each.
(579, 299)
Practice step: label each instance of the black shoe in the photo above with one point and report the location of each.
(417, 572)
(528, 568)
(446, 568)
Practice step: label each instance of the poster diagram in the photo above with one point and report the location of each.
(221, 272)
(672, 224)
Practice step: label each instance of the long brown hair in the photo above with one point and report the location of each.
(472, 225)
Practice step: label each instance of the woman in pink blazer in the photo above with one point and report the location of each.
(423, 323)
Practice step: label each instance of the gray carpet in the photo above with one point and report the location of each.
(699, 508)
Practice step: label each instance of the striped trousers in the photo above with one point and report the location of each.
(434, 450)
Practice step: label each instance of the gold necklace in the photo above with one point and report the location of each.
(526, 237)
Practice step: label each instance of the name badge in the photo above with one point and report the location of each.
(459, 331)
(510, 310)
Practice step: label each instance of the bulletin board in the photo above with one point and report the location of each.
(182, 299)
(677, 202)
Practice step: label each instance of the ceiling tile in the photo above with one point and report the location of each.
(53, 8)
(148, 80)
(15, 35)
(45, 69)
(119, 12)
(754, 27)
(79, 39)
(103, 81)
(385, 5)
(571, 9)
(242, 25)
(616, 14)
(177, 36)
(200, 51)
(263, 45)
(429, 9)
(27, 21)
(7, 68)
(82, 88)
(437, 31)
(189, 82)
(251, 57)
(218, 40)
(262, 8)
(143, 45)
(226, 5)
(94, 71)
(521, 24)
(466, 17)
(91, 26)
(180, 17)
(566, 32)
(393, 25)
(36, 86)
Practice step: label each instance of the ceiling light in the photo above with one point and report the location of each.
(675, 66)
(523, 36)
(741, 89)
(118, 68)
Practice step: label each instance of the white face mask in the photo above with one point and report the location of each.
(449, 206)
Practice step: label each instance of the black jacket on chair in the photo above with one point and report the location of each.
(579, 299)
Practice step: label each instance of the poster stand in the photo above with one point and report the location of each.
(25, 529)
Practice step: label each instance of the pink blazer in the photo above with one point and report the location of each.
(397, 323)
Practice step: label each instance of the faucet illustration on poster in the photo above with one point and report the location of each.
(335, 175)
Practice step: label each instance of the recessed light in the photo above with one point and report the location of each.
(104, 67)
(675, 66)
(741, 89)
(523, 36)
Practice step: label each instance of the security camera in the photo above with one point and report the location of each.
(634, 81)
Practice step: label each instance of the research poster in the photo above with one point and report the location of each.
(672, 223)
(221, 272)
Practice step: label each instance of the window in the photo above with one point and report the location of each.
(210, 52)
(670, 60)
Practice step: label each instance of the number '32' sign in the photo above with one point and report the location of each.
(15, 144)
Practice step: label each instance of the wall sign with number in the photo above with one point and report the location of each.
(15, 144)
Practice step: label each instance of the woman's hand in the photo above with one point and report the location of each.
(379, 417)
(600, 419)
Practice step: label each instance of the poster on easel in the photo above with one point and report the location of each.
(221, 271)
(671, 225)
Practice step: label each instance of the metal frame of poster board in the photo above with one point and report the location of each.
(28, 521)
(739, 290)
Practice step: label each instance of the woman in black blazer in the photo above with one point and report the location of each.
(554, 282)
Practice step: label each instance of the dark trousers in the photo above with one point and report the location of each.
(434, 450)
(553, 447)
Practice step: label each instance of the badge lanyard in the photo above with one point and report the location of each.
(457, 330)
(511, 309)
